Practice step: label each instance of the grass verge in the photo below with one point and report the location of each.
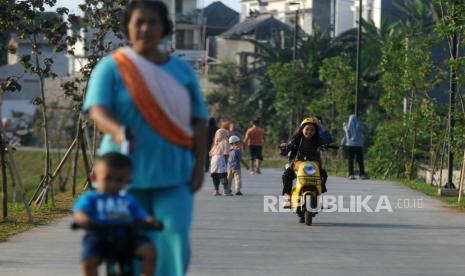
(421, 186)
(30, 166)
(17, 218)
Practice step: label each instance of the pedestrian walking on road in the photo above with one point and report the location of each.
(233, 131)
(255, 138)
(353, 145)
(157, 96)
(212, 128)
(225, 125)
(218, 165)
(234, 164)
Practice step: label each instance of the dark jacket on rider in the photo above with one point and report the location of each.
(301, 149)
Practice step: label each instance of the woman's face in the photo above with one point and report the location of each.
(308, 131)
(145, 29)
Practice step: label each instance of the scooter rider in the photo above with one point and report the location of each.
(303, 147)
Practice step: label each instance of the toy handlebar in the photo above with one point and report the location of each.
(325, 147)
(139, 225)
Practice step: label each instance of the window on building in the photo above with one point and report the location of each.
(189, 39)
(178, 6)
(290, 18)
(370, 14)
(185, 40)
(180, 39)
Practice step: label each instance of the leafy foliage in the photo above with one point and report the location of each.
(336, 100)
(410, 122)
(100, 30)
(230, 98)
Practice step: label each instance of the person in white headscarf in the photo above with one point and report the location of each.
(353, 141)
(218, 163)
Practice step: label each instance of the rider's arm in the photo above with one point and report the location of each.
(83, 208)
(293, 147)
(326, 138)
(292, 155)
(137, 212)
(82, 218)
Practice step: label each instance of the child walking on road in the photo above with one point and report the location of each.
(234, 165)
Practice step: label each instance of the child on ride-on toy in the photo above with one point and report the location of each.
(107, 205)
(303, 146)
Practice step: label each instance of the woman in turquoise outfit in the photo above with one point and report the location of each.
(165, 174)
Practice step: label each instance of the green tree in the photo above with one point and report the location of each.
(230, 98)
(410, 115)
(29, 22)
(450, 26)
(418, 14)
(296, 84)
(335, 101)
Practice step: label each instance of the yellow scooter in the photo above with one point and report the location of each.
(304, 197)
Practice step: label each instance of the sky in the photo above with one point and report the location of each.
(72, 5)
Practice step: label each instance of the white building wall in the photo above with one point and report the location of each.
(370, 7)
(228, 49)
(344, 16)
(19, 101)
(376, 7)
(347, 13)
(189, 6)
(60, 61)
(282, 11)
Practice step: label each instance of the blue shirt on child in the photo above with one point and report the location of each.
(105, 208)
(234, 160)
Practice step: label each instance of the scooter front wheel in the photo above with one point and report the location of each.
(308, 217)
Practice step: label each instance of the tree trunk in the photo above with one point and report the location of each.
(17, 177)
(94, 141)
(76, 159)
(13, 182)
(412, 157)
(4, 180)
(48, 180)
(40, 74)
(414, 133)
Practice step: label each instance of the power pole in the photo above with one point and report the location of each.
(296, 26)
(294, 57)
(453, 92)
(333, 19)
(359, 48)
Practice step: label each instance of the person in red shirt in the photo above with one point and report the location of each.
(255, 138)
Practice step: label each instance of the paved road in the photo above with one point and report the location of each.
(234, 236)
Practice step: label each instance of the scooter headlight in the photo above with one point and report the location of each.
(309, 169)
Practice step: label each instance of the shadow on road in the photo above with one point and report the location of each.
(388, 226)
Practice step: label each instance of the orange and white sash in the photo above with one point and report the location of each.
(163, 102)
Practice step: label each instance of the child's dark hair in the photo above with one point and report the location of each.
(298, 131)
(115, 160)
(157, 6)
